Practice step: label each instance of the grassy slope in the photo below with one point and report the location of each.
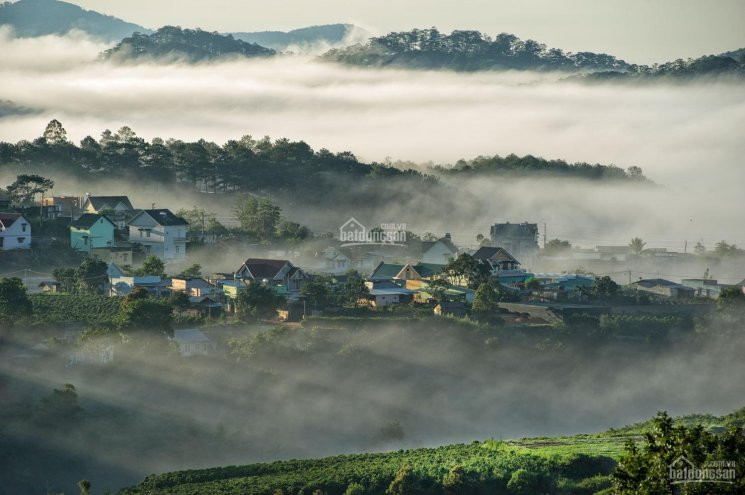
(573, 461)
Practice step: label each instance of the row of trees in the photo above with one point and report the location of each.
(245, 164)
(530, 165)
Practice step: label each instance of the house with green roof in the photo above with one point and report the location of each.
(420, 271)
(91, 231)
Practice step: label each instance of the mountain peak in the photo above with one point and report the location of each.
(30, 18)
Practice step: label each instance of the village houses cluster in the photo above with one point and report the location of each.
(110, 228)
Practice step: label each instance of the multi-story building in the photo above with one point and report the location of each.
(160, 232)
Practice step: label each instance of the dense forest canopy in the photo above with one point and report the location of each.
(247, 164)
(514, 165)
(189, 44)
(468, 51)
(474, 51)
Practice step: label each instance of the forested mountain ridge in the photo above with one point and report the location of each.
(736, 54)
(44, 17)
(706, 66)
(191, 45)
(468, 51)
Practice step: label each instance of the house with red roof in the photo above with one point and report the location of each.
(15, 232)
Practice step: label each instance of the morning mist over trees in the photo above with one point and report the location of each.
(319, 248)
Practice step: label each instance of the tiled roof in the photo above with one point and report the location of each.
(426, 245)
(263, 268)
(165, 217)
(495, 253)
(87, 220)
(428, 269)
(8, 219)
(100, 202)
(385, 271)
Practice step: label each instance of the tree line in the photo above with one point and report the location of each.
(245, 164)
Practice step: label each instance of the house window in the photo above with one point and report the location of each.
(147, 233)
(2, 241)
(23, 227)
(177, 249)
(21, 239)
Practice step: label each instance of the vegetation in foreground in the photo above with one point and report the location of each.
(583, 464)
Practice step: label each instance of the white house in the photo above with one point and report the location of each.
(192, 342)
(333, 260)
(160, 232)
(440, 251)
(15, 232)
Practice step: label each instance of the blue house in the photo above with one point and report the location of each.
(91, 231)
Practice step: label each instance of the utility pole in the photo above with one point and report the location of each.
(544, 235)
(41, 214)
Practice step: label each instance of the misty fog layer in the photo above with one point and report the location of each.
(686, 137)
(325, 390)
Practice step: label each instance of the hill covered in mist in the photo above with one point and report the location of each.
(468, 51)
(345, 385)
(193, 45)
(44, 17)
(709, 66)
(528, 165)
(475, 51)
(329, 34)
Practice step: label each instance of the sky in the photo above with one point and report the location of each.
(640, 31)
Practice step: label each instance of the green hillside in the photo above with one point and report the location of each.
(579, 464)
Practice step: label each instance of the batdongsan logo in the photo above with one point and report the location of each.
(353, 233)
(682, 471)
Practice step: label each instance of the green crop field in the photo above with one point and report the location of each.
(578, 464)
(86, 308)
